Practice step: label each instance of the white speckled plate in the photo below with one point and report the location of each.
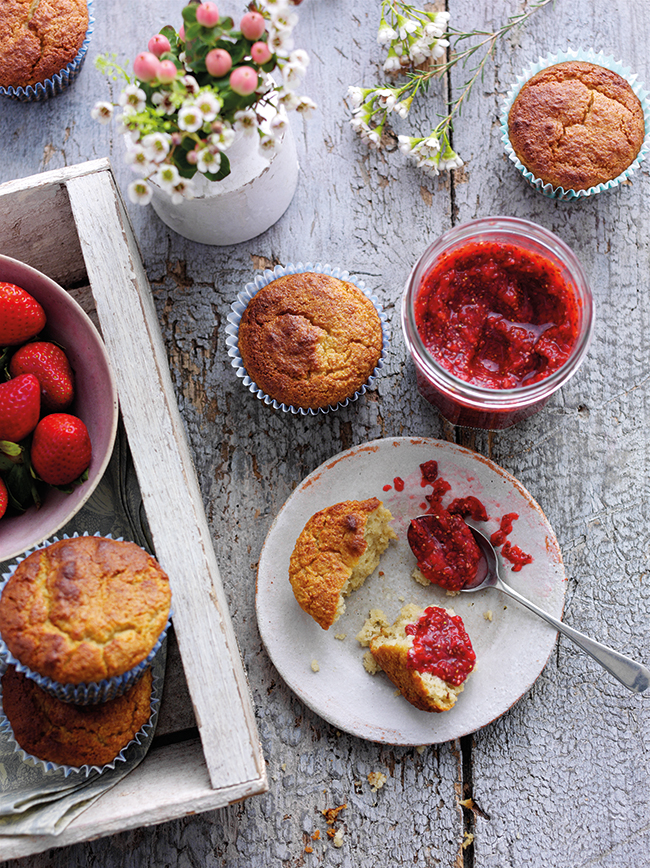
(511, 649)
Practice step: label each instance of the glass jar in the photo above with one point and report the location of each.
(478, 406)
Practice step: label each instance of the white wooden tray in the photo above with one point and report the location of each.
(71, 224)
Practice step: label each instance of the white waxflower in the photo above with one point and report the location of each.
(139, 192)
(184, 189)
(208, 160)
(439, 48)
(276, 4)
(283, 19)
(208, 104)
(406, 26)
(167, 177)
(306, 106)
(191, 84)
(299, 57)
(357, 96)
(292, 75)
(452, 162)
(419, 51)
(385, 98)
(162, 99)
(222, 139)
(288, 99)
(386, 34)
(190, 118)
(392, 64)
(268, 145)
(102, 112)
(279, 41)
(156, 146)
(266, 85)
(402, 108)
(405, 144)
(279, 124)
(133, 96)
(136, 157)
(246, 121)
(123, 124)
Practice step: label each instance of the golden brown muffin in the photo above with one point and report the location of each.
(390, 648)
(84, 609)
(310, 340)
(38, 38)
(576, 125)
(73, 735)
(337, 550)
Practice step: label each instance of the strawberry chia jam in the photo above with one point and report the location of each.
(497, 316)
(441, 646)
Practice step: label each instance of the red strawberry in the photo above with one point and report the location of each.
(51, 367)
(20, 407)
(61, 448)
(4, 498)
(21, 316)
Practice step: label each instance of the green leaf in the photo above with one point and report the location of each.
(20, 488)
(186, 170)
(224, 170)
(189, 15)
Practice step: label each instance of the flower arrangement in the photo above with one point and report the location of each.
(195, 88)
(417, 42)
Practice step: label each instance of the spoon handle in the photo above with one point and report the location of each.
(630, 673)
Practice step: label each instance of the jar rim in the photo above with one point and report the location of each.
(536, 238)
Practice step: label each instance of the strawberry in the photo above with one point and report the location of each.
(4, 498)
(50, 365)
(61, 448)
(20, 407)
(21, 316)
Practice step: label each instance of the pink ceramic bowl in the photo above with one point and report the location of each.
(95, 403)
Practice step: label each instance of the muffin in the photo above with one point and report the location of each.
(426, 654)
(576, 124)
(41, 44)
(337, 550)
(310, 340)
(85, 611)
(72, 735)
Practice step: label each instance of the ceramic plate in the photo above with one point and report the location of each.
(511, 648)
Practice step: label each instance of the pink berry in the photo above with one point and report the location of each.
(167, 72)
(207, 14)
(261, 53)
(181, 33)
(218, 62)
(243, 80)
(159, 44)
(252, 25)
(146, 66)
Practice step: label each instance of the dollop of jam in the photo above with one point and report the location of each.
(446, 551)
(497, 315)
(441, 646)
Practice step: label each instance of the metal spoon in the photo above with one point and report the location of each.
(630, 673)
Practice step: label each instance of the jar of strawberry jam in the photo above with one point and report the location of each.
(497, 315)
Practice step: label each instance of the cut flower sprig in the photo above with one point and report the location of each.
(194, 89)
(417, 42)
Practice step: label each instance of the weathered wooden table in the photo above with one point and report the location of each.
(562, 778)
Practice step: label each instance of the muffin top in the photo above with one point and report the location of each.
(38, 38)
(310, 340)
(336, 551)
(73, 735)
(84, 609)
(576, 125)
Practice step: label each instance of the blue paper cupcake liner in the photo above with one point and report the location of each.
(90, 693)
(589, 56)
(139, 738)
(262, 280)
(58, 82)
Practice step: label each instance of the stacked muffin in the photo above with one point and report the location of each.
(81, 621)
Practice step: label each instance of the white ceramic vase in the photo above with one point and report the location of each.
(246, 203)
